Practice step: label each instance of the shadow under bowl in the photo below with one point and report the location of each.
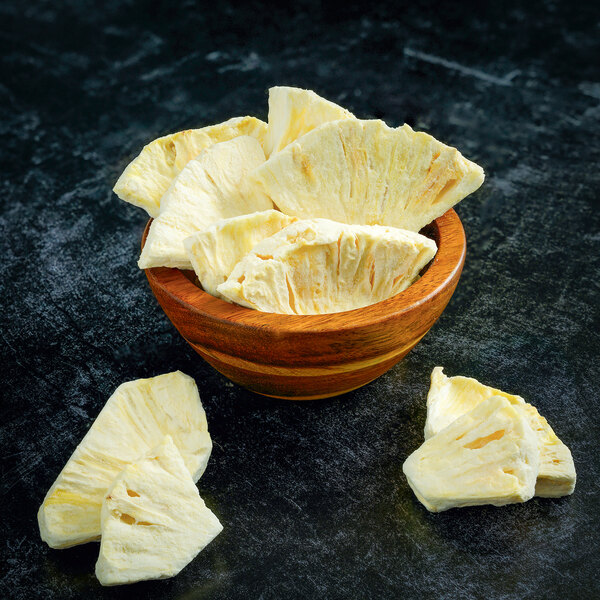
(305, 357)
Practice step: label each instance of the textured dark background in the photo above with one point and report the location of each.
(311, 495)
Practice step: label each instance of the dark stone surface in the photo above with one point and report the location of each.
(311, 495)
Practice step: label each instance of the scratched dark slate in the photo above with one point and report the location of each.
(311, 495)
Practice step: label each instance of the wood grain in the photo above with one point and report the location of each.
(312, 356)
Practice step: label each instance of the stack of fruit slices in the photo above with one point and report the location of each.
(307, 214)
(131, 483)
(484, 446)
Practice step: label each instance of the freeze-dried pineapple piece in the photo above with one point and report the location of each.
(366, 173)
(489, 455)
(215, 251)
(210, 188)
(154, 521)
(320, 266)
(134, 419)
(294, 112)
(451, 397)
(149, 175)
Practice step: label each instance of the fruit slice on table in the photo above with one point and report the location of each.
(364, 172)
(148, 176)
(154, 521)
(320, 266)
(294, 112)
(488, 456)
(210, 188)
(451, 397)
(215, 251)
(134, 419)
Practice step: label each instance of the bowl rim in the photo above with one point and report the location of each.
(449, 259)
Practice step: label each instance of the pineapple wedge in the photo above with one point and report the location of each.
(210, 188)
(320, 266)
(451, 397)
(154, 521)
(134, 419)
(215, 251)
(294, 112)
(366, 173)
(488, 456)
(148, 176)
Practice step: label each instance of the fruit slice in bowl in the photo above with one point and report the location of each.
(294, 112)
(146, 178)
(215, 251)
(318, 266)
(208, 189)
(367, 173)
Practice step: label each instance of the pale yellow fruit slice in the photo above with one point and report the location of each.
(366, 173)
(134, 419)
(149, 175)
(210, 188)
(487, 456)
(294, 112)
(320, 266)
(451, 397)
(154, 521)
(215, 251)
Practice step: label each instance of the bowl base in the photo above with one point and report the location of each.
(303, 398)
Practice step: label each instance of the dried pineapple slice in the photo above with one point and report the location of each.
(149, 175)
(294, 112)
(489, 455)
(154, 521)
(210, 188)
(364, 172)
(320, 266)
(451, 397)
(134, 419)
(215, 251)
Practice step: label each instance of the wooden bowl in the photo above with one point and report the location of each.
(305, 357)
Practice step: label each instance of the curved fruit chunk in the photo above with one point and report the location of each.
(154, 521)
(320, 266)
(209, 188)
(134, 419)
(148, 176)
(488, 456)
(367, 173)
(294, 112)
(451, 397)
(215, 251)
